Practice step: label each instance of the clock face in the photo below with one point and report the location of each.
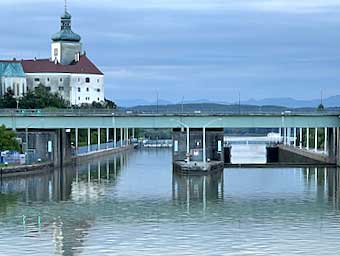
(55, 52)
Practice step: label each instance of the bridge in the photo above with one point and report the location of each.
(192, 131)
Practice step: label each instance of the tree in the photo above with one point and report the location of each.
(8, 100)
(41, 97)
(320, 107)
(8, 140)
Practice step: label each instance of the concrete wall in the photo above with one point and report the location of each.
(38, 145)
(196, 144)
(290, 155)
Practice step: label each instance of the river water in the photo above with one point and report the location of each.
(132, 204)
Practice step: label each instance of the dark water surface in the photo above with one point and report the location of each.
(132, 204)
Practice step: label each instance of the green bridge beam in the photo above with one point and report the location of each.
(57, 121)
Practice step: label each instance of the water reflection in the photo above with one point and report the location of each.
(191, 189)
(124, 202)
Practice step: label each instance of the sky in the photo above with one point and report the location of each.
(191, 49)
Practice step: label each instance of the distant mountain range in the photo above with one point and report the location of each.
(329, 102)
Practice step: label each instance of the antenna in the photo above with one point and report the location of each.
(65, 5)
(321, 96)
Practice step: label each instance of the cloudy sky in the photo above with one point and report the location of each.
(196, 49)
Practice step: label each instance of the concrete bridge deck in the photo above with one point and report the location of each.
(82, 119)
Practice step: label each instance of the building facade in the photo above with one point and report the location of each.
(12, 78)
(68, 71)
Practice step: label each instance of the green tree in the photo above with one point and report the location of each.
(41, 97)
(8, 140)
(8, 100)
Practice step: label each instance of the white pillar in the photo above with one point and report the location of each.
(98, 139)
(285, 136)
(121, 137)
(280, 132)
(133, 133)
(77, 144)
(289, 131)
(127, 136)
(307, 138)
(204, 147)
(325, 142)
(316, 140)
(295, 137)
(114, 137)
(107, 137)
(88, 140)
(188, 143)
(301, 138)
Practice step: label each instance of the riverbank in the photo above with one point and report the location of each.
(48, 166)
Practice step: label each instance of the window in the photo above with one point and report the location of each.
(78, 98)
(61, 80)
(78, 80)
(98, 99)
(61, 88)
(79, 89)
(48, 79)
(87, 89)
(98, 90)
(36, 79)
(98, 81)
(55, 52)
(87, 80)
(48, 88)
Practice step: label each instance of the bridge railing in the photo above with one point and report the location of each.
(127, 112)
(94, 147)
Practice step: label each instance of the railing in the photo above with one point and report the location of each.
(124, 112)
(94, 147)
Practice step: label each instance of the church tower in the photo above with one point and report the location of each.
(66, 45)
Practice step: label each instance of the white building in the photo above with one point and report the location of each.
(68, 71)
(12, 78)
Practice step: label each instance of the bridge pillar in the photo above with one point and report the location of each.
(121, 137)
(289, 135)
(98, 137)
(301, 138)
(88, 139)
(295, 137)
(285, 136)
(107, 137)
(114, 137)
(316, 140)
(325, 148)
(77, 140)
(307, 139)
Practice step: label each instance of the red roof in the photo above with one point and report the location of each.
(83, 66)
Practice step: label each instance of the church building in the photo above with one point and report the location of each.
(68, 71)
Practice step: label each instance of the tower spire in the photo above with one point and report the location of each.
(65, 6)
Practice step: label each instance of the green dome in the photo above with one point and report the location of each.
(66, 33)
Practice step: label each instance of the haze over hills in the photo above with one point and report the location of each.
(329, 102)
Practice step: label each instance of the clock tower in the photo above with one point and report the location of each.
(66, 45)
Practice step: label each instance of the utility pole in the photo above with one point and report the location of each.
(239, 102)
